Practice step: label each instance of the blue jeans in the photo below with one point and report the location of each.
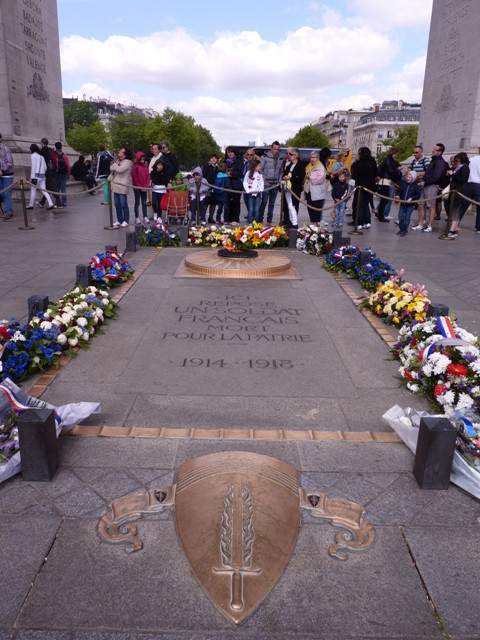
(61, 182)
(340, 212)
(121, 207)
(268, 197)
(253, 207)
(201, 210)
(6, 181)
(404, 215)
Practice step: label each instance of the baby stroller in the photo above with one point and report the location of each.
(177, 210)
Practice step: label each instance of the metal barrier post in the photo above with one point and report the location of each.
(26, 226)
(110, 209)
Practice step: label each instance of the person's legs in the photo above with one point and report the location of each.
(272, 197)
(143, 198)
(257, 201)
(41, 184)
(5, 182)
(250, 206)
(263, 202)
(61, 183)
(383, 191)
(118, 207)
(137, 194)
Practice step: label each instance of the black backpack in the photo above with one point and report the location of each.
(444, 180)
(61, 164)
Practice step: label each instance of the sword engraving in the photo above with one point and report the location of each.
(236, 540)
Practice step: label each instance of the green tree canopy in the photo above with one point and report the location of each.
(130, 130)
(308, 136)
(79, 112)
(404, 140)
(85, 140)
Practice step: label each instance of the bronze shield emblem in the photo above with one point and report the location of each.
(237, 516)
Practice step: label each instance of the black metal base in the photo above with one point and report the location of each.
(243, 253)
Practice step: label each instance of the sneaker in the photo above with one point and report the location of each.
(138, 221)
(146, 220)
(116, 225)
(39, 204)
(124, 224)
(365, 226)
(403, 234)
(155, 217)
(51, 207)
(427, 229)
(418, 227)
(361, 227)
(452, 234)
(476, 230)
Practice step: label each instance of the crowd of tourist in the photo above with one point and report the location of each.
(213, 192)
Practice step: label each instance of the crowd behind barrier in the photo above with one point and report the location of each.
(283, 186)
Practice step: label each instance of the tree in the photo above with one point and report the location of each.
(309, 137)
(404, 140)
(130, 130)
(85, 140)
(79, 112)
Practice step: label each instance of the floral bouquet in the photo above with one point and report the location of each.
(66, 324)
(373, 273)
(441, 361)
(344, 259)
(256, 236)
(313, 239)
(109, 269)
(398, 303)
(158, 235)
(208, 236)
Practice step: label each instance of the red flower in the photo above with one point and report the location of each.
(408, 375)
(457, 370)
(439, 389)
(413, 341)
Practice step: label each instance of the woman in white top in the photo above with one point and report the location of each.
(37, 177)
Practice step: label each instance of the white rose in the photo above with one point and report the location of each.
(61, 338)
(73, 342)
(45, 325)
(85, 336)
(82, 322)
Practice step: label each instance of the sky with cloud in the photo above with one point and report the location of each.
(255, 70)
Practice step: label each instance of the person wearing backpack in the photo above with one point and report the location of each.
(51, 184)
(315, 187)
(61, 166)
(389, 174)
(435, 176)
(222, 197)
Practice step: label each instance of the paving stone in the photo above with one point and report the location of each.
(25, 543)
(448, 561)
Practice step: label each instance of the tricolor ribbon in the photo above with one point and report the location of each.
(444, 325)
(20, 406)
(266, 232)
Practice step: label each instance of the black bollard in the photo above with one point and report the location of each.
(38, 444)
(183, 235)
(435, 310)
(434, 454)
(337, 240)
(292, 238)
(365, 257)
(36, 304)
(131, 241)
(83, 275)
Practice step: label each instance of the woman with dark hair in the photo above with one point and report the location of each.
(38, 177)
(364, 172)
(121, 181)
(294, 176)
(389, 174)
(235, 173)
(458, 182)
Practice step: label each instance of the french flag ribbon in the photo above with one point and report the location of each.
(444, 325)
(426, 352)
(266, 232)
(20, 406)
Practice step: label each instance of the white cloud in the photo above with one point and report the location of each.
(233, 62)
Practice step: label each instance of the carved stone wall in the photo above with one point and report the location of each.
(451, 90)
(30, 76)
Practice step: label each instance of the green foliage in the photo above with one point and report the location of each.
(85, 140)
(308, 136)
(130, 130)
(404, 140)
(79, 113)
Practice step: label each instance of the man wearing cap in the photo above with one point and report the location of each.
(6, 179)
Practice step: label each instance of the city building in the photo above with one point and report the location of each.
(339, 126)
(374, 129)
(107, 111)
